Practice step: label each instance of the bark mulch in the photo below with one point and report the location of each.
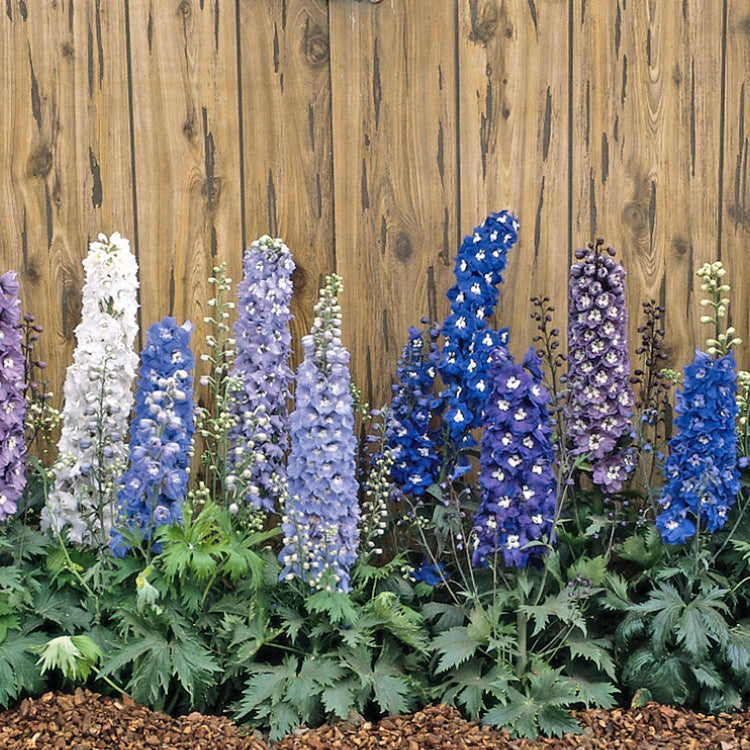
(87, 721)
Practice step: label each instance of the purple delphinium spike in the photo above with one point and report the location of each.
(262, 372)
(600, 402)
(322, 510)
(411, 441)
(151, 490)
(517, 480)
(469, 341)
(12, 402)
(702, 479)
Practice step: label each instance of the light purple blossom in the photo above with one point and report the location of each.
(322, 510)
(259, 439)
(12, 402)
(600, 402)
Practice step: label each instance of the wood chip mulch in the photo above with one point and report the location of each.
(87, 721)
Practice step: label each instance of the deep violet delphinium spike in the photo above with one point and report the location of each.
(261, 371)
(701, 474)
(469, 341)
(600, 399)
(412, 442)
(151, 490)
(322, 510)
(12, 402)
(517, 480)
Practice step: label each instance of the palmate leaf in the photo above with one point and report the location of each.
(339, 698)
(336, 605)
(691, 634)
(18, 670)
(268, 684)
(559, 606)
(542, 709)
(454, 646)
(61, 607)
(467, 685)
(736, 651)
(593, 650)
(448, 615)
(594, 694)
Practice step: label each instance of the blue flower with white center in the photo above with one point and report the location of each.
(151, 490)
(517, 480)
(413, 445)
(469, 342)
(702, 478)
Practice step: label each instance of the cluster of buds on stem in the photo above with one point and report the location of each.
(713, 285)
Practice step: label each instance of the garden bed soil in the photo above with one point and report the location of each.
(87, 721)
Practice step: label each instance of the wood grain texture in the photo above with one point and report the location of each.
(395, 174)
(187, 154)
(646, 149)
(735, 206)
(286, 130)
(513, 119)
(64, 155)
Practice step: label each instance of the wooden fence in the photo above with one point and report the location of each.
(372, 137)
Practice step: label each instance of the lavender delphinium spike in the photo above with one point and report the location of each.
(151, 490)
(517, 481)
(322, 510)
(261, 372)
(468, 340)
(600, 401)
(12, 402)
(413, 447)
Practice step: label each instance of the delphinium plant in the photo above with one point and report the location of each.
(682, 638)
(12, 401)
(152, 489)
(98, 397)
(258, 439)
(468, 339)
(413, 443)
(321, 515)
(702, 478)
(214, 422)
(600, 399)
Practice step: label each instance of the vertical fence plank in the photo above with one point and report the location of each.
(286, 116)
(64, 155)
(646, 149)
(513, 121)
(184, 70)
(395, 170)
(735, 235)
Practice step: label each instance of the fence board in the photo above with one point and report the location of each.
(735, 208)
(64, 155)
(286, 116)
(186, 134)
(646, 149)
(513, 121)
(395, 174)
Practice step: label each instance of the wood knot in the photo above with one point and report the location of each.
(299, 279)
(315, 46)
(188, 128)
(634, 216)
(184, 8)
(40, 162)
(211, 191)
(30, 273)
(67, 49)
(484, 28)
(681, 246)
(403, 247)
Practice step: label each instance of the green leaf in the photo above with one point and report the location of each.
(339, 698)
(592, 569)
(336, 605)
(455, 646)
(707, 675)
(593, 650)
(18, 670)
(449, 616)
(690, 632)
(555, 722)
(283, 719)
(595, 694)
(391, 693)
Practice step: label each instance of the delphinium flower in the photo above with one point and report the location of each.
(98, 397)
(259, 438)
(600, 399)
(469, 341)
(517, 480)
(411, 441)
(12, 401)
(701, 472)
(151, 490)
(322, 510)
(41, 417)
